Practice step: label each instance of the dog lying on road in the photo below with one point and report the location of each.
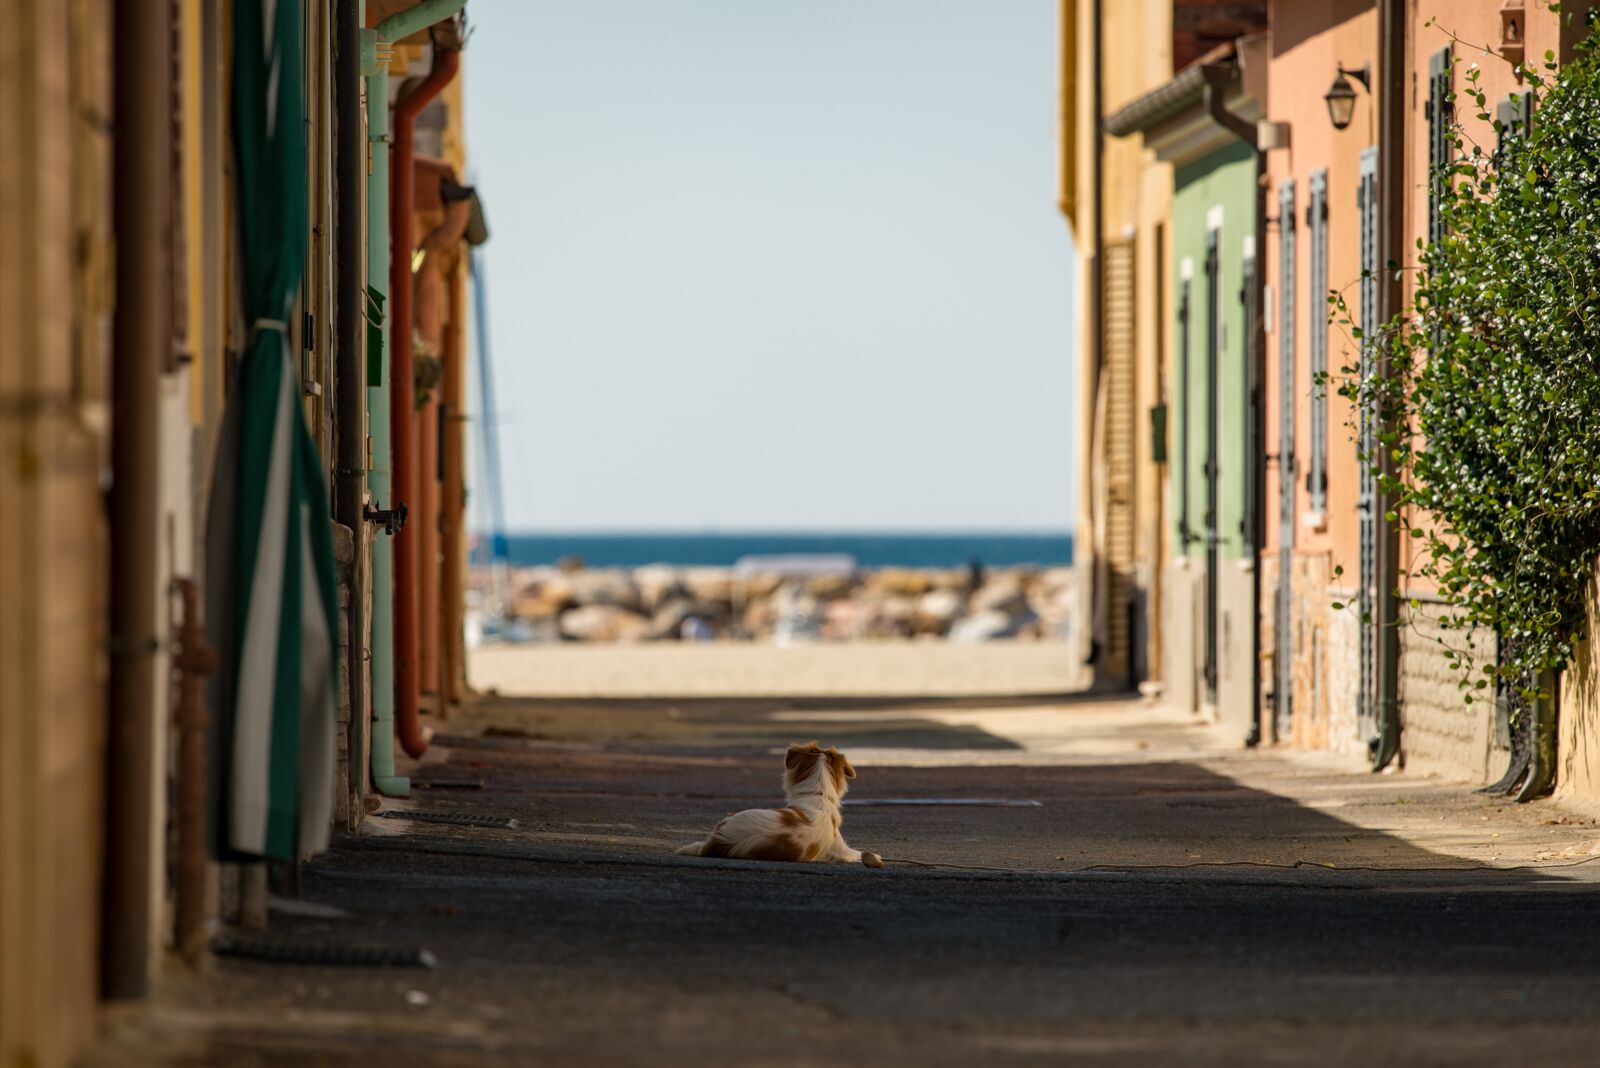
(815, 781)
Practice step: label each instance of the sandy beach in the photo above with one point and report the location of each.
(859, 669)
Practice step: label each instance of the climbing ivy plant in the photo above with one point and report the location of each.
(1488, 416)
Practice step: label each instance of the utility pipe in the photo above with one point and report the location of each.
(413, 738)
(1542, 711)
(384, 780)
(403, 24)
(1392, 192)
(142, 336)
(349, 378)
(1099, 584)
(1217, 77)
(194, 662)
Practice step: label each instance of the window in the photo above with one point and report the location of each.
(1317, 224)
(1515, 114)
(1439, 111)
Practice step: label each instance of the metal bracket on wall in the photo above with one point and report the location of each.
(392, 520)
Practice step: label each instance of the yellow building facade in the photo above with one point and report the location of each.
(1116, 197)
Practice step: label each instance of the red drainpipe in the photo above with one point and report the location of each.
(401, 396)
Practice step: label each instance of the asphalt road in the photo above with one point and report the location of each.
(1164, 902)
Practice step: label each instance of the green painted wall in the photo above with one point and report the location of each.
(1220, 183)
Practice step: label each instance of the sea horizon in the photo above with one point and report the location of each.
(870, 548)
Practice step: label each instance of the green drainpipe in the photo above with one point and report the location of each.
(383, 776)
(403, 24)
(396, 27)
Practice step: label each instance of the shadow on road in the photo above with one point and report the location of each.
(1152, 908)
(657, 773)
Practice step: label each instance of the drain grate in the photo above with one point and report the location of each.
(279, 952)
(453, 819)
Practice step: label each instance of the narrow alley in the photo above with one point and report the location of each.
(455, 455)
(1066, 877)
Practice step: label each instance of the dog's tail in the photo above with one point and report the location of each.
(695, 849)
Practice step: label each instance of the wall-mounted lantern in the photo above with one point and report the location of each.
(1512, 31)
(1341, 96)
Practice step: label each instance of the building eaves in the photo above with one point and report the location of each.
(1185, 91)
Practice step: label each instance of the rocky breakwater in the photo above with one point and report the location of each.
(665, 603)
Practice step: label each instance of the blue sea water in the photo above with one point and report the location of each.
(723, 549)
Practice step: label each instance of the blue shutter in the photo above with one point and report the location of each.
(1367, 496)
(1282, 622)
(1317, 301)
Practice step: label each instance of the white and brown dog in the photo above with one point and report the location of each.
(815, 780)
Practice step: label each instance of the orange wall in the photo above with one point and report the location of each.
(1308, 42)
(1478, 27)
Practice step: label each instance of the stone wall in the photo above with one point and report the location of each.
(1342, 672)
(1310, 629)
(1441, 733)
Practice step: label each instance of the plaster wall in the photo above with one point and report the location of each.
(1183, 621)
(1135, 56)
(1309, 41)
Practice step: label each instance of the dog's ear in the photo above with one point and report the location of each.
(797, 753)
(839, 760)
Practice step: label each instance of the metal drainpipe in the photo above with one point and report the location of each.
(1391, 247)
(142, 336)
(1542, 739)
(1096, 285)
(384, 780)
(413, 738)
(350, 379)
(1217, 76)
(403, 24)
(194, 662)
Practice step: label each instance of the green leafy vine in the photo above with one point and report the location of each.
(1489, 414)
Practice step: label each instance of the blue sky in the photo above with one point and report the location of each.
(765, 264)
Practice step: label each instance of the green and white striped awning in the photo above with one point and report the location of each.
(272, 607)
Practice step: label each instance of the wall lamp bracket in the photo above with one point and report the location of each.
(1341, 96)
